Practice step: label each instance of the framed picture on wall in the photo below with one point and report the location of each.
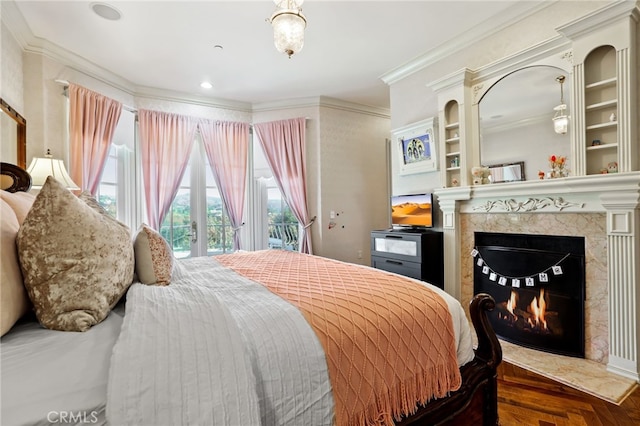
(416, 146)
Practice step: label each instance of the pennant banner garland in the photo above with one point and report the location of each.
(524, 281)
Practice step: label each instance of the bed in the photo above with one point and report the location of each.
(232, 340)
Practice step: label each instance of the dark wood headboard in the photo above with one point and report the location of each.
(14, 178)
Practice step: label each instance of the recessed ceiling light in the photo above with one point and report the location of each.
(218, 46)
(106, 11)
(206, 85)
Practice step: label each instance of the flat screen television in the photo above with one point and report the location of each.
(414, 210)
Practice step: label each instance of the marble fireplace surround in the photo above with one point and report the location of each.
(605, 209)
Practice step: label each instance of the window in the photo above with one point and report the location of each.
(219, 231)
(107, 194)
(176, 226)
(283, 225)
(117, 189)
(197, 202)
(275, 226)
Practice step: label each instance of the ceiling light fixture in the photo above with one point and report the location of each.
(288, 26)
(561, 119)
(106, 11)
(206, 85)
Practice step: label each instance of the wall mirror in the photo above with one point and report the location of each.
(516, 119)
(511, 172)
(13, 136)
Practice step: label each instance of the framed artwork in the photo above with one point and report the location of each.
(416, 146)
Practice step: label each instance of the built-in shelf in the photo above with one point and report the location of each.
(452, 156)
(602, 83)
(603, 146)
(602, 105)
(602, 125)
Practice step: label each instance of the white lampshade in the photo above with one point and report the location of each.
(288, 30)
(41, 168)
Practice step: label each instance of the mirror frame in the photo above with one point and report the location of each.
(516, 163)
(21, 135)
(481, 80)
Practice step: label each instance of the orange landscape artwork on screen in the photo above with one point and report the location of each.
(412, 210)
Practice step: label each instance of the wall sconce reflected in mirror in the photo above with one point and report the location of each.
(561, 119)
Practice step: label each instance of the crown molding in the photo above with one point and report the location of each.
(601, 17)
(13, 19)
(461, 77)
(321, 101)
(481, 31)
(174, 96)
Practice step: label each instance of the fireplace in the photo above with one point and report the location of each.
(538, 282)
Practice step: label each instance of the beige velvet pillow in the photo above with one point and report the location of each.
(20, 202)
(76, 262)
(154, 257)
(14, 302)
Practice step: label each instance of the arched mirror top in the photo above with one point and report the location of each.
(13, 136)
(515, 117)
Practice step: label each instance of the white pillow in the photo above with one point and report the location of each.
(154, 257)
(14, 302)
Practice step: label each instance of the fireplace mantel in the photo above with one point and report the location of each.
(579, 194)
(614, 196)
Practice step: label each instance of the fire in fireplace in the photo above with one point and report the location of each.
(538, 282)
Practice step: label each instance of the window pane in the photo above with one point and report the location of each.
(110, 172)
(176, 227)
(107, 194)
(283, 225)
(219, 233)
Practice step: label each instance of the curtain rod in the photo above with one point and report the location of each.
(65, 83)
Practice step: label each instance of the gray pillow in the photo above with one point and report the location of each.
(76, 262)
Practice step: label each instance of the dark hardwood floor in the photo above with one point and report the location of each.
(526, 398)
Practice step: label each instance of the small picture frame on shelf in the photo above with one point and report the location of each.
(596, 142)
(416, 147)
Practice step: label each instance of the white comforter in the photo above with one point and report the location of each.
(214, 348)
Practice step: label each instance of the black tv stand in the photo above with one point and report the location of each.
(413, 252)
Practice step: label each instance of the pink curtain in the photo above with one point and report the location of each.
(227, 147)
(166, 141)
(283, 143)
(92, 122)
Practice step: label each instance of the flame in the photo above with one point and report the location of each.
(511, 304)
(538, 308)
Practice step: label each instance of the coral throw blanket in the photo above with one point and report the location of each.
(389, 342)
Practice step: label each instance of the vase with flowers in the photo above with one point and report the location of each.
(558, 164)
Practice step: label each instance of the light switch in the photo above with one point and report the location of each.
(332, 214)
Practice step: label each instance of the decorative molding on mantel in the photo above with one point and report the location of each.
(529, 205)
(584, 194)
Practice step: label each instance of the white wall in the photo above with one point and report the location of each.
(354, 181)
(11, 69)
